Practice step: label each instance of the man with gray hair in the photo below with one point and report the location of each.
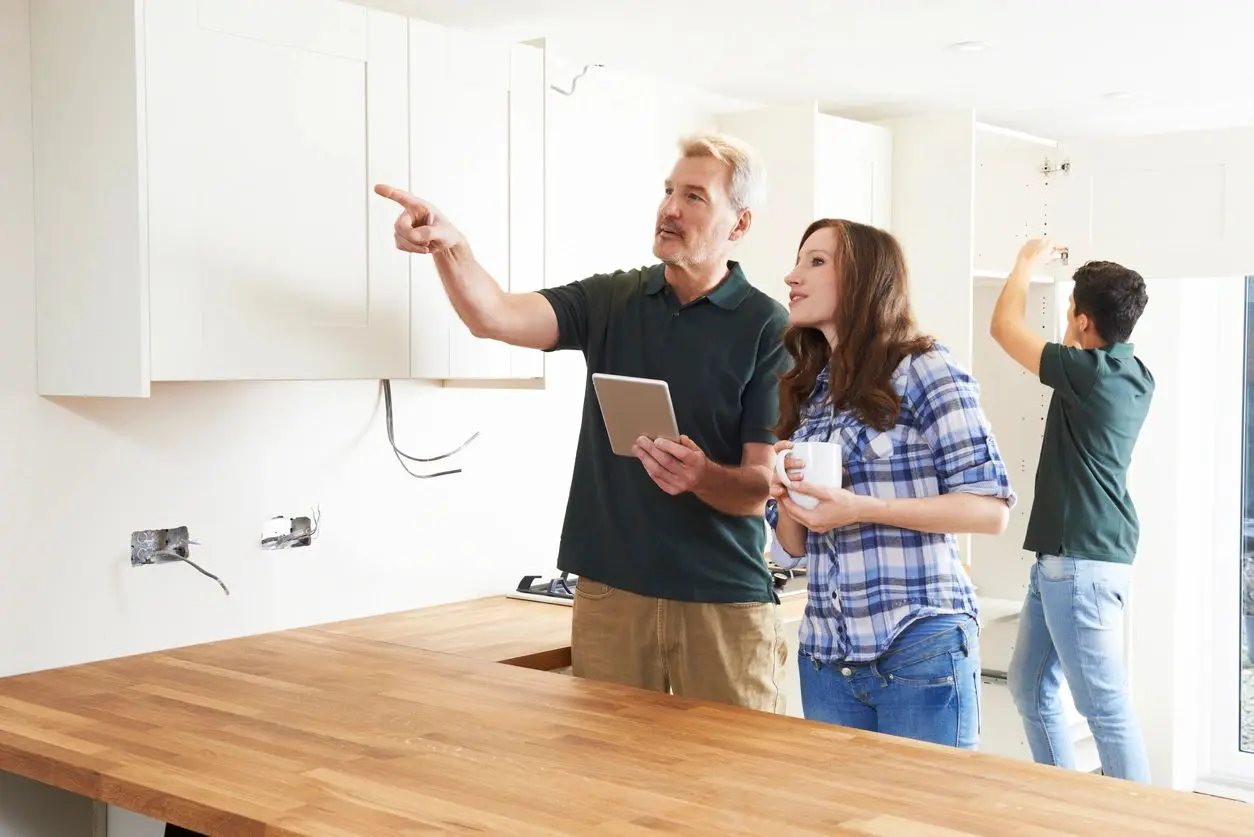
(674, 593)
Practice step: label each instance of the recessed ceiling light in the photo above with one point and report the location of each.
(969, 46)
(1118, 94)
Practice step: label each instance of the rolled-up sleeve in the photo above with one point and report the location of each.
(947, 405)
(780, 556)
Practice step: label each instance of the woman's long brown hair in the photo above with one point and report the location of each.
(875, 330)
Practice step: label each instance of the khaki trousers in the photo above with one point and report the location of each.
(727, 653)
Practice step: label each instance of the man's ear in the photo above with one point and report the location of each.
(742, 225)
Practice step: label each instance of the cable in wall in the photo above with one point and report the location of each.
(174, 556)
(401, 456)
(575, 80)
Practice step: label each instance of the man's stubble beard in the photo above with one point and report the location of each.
(690, 257)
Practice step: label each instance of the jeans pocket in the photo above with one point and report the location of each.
(937, 670)
(1103, 608)
(1055, 568)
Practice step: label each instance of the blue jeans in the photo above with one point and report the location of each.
(925, 686)
(1071, 626)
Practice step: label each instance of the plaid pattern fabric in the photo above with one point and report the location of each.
(867, 583)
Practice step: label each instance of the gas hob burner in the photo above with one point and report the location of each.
(560, 590)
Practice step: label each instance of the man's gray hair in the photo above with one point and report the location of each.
(747, 186)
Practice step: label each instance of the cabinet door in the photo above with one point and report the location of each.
(267, 124)
(1013, 202)
(477, 152)
(1171, 206)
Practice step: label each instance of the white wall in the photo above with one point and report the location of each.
(80, 475)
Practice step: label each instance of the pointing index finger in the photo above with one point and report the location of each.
(399, 195)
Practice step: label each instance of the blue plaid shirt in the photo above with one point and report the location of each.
(867, 583)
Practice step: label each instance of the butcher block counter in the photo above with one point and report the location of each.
(499, 629)
(343, 730)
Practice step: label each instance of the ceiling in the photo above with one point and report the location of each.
(1064, 68)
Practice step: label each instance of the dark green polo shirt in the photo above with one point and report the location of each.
(721, 355)
(1082, 508)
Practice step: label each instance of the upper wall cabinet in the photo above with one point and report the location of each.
(217, 156)
(817, 166)
(266, 257)
(203, 206)
(477, 152)
(1171, 205)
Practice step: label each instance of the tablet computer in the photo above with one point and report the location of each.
(634, 407)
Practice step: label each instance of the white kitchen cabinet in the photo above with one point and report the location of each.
(203, 191)
(817, 166)
(202, 174)
(477, 152)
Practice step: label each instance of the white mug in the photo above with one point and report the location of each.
(821, 467)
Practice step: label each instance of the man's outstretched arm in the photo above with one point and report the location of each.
(525, 319)
(1009, 325)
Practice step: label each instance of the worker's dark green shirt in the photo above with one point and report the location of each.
(721, 356)
(1082, 508)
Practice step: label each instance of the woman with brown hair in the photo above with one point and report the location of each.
(890, 640)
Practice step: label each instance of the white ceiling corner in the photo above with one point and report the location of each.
(1048, 67)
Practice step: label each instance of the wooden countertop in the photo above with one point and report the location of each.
(408, 724)
(496, 629)
(306, 733)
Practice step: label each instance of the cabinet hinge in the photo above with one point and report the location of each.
(1048, 167)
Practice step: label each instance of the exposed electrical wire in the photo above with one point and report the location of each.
(575, 80)
(174, 556)
(300, 537)
(401, 456)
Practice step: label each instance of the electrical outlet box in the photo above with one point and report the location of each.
(275, 528)
(283, 532)
(159, 546)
